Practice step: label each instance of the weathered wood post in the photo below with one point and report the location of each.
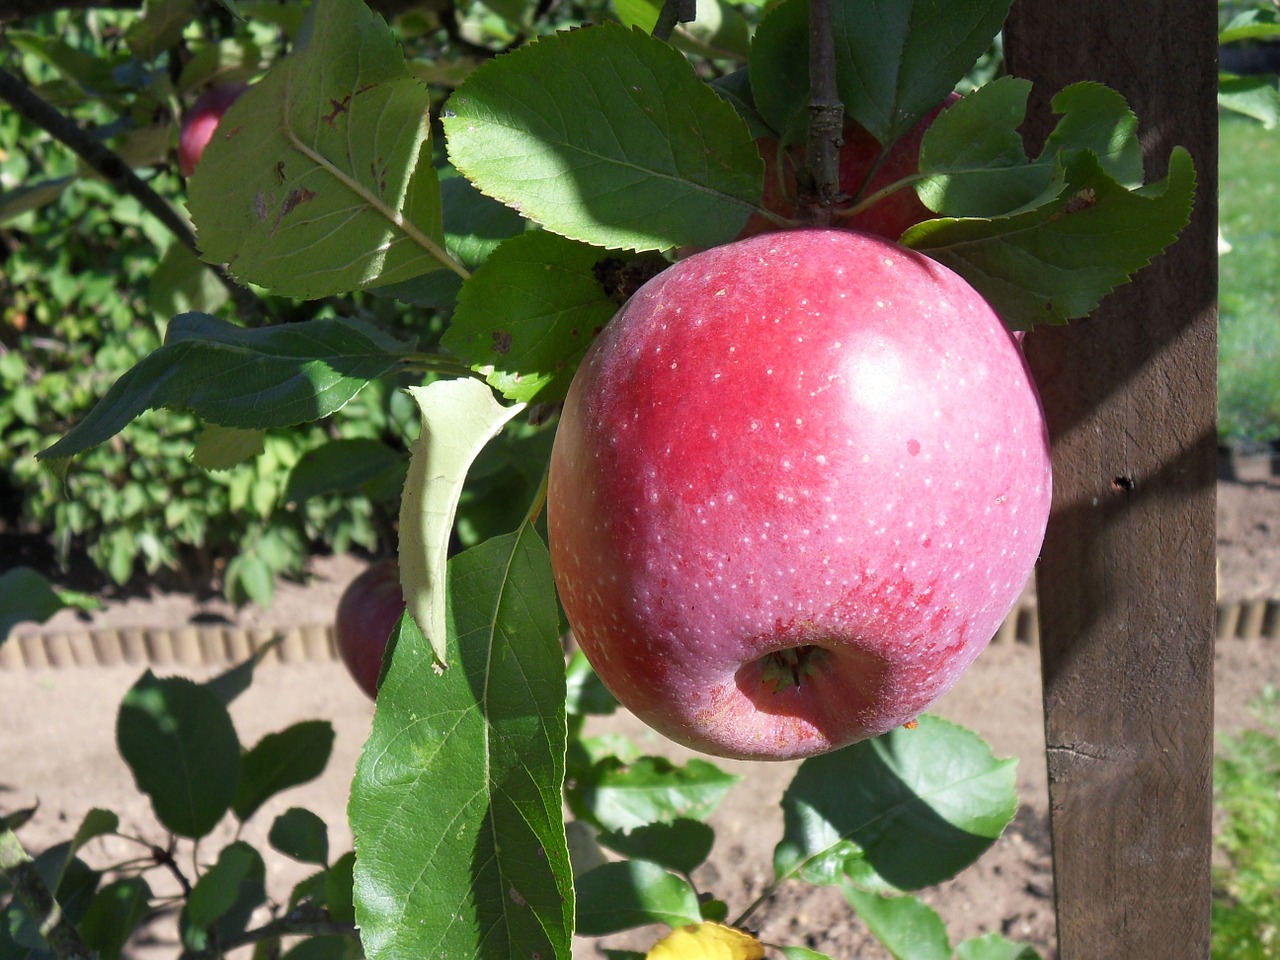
(1126, 581)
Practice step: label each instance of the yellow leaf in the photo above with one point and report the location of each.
(707, 941)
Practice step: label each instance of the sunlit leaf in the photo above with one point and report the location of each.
(318, 180)
(618, 144)
(456, 805)
(458, 418)
(908, 809)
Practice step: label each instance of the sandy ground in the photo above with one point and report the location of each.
(57, 749)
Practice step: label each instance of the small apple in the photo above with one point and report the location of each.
(368, 611)
(799, 481)
(889, 217)
(202, 120)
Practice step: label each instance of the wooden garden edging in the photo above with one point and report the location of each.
(222, 645)
(1126, 581)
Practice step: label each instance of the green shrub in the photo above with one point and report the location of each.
(1246, 902)
(1249, 377)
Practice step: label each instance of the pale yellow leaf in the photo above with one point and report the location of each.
(707, 941)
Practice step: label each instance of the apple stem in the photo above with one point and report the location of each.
(820, 183)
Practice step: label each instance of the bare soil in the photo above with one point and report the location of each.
(57, 749)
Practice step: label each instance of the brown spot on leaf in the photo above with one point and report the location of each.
(294, 198)
(339, 107)
(501, 342)
(260, 206)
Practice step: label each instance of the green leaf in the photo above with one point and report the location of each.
(618, 144)
(113, 914)
(898, 59)
(992, 946)
(908, 928)
(461, 776)
(327, 947)
(458, 418)
(25, 595)
(527, 316)
(340, 467)
(224, 898)
(1255, 96)
(249, 578)
(975, 163)
(586, 693)
(338, 889)
(909, 808)
(802, 953)
(1259, 23)
(160, 27)
(622, 796)
(319, 180)
(475, 225)
(221, 448)
(680, 845)
(633, 893)
(895, 59)
(282, 760)
(234, 681)
(259, 378)
(300, 834)
(1057, 261)
(178, 740)
(180, 283)
(96, 823)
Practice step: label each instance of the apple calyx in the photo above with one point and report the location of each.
(792, 666)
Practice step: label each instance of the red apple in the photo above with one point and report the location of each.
(889, 217)
(368, 611)
(798, 482)
(202, 120)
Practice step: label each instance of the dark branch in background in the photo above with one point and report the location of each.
(673, 12)
(118, 173)
(304, 920)
(820, 180)
(17, 867)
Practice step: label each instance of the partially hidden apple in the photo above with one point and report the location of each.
(200, 122)
(368, 611)
(859, 177)
(798, 482)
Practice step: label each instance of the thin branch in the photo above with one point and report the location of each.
(306, 920)
(821, 177)
(116, 172)
(18, 867)
(673, 12)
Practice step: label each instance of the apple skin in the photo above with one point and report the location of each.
(368, 611)
(888, 218)
(200, 122)
(814, 441)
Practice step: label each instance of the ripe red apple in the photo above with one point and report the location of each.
(368, 611)
(202, 120)
(889, 217)
(798, 482)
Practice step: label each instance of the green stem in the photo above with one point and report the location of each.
(439, 363)
(19, 869)
(872, 199)
(539, 498)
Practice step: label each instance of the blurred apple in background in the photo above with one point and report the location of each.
(202, 120)
(368, 611)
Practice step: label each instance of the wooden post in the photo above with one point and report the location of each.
(1126, 581)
